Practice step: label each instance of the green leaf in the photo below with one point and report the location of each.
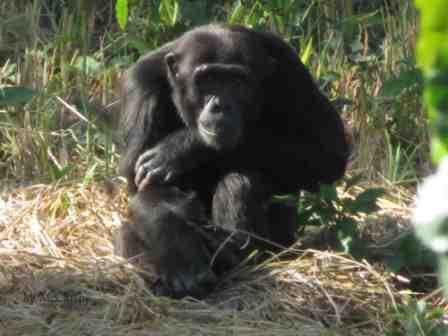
(346, 243)
(373, 18)
(405, 80)
(196, 11)
(347, 231)
(347, 227)
(138, 44)
(438, 149)
(433, 18)
(237, 13)
(88, 64)
(168, 11)
(304, 217)
(90, 174)
(252, 18)
(15, 95)
(395, 263)
(432, 54)
(365, 202)
(121, 11)
(352, 181)
(279, 23)
(59, 173)
(305, 55)
(328, 192)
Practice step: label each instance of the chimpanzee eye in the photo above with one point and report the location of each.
(240, 83)
(205, 77)
(242, 87)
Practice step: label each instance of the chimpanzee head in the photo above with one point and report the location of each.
(213, 87)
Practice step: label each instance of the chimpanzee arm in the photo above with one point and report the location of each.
(155, 138)
(158, 145)
(176, 154)
(303, 157)
(147, 114)
(300, 139)
(294, 166)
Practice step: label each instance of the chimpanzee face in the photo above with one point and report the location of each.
(212, 98)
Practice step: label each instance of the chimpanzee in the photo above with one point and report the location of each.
(215, 123)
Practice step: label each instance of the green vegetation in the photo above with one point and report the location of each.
(431, 215)
(362, 55)
(60, 68)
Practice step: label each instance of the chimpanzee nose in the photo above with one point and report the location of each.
(215, 104)
(218, 105)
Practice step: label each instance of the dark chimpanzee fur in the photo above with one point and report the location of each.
(215, 123)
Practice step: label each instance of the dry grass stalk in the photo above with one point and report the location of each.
(58, 275)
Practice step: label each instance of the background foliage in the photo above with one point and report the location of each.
(59, 97)
(431, 215)
(362, 54)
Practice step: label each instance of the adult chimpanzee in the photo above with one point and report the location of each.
(215, 123)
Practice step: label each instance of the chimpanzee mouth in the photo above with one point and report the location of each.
(219, 137)
(208, 131)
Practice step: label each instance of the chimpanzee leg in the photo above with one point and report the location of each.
(239, 203)
(282, 223)
(164, 223)
(128, 244)
(242, 202)
(239, 207)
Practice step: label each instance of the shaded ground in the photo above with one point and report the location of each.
(58, 276)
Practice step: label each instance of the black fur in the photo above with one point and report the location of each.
(215, 123)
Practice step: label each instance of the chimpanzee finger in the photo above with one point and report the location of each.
(153, 176)
(169, 177)
(140, 174)
(146, 156)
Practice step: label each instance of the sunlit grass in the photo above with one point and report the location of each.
(58, 148)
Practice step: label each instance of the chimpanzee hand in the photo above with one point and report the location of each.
(156, 165)
(173, 156)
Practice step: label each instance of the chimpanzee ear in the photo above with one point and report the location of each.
(172, 65)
